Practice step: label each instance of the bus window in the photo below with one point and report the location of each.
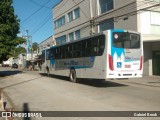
(95, 46)
(65, 51)
(78, 49)
(88, 49)
(84, 48)
(126, 40)
(101, 45)
(70, 51)
(51, 54)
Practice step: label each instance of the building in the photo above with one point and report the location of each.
(74, 19)
(46, 43)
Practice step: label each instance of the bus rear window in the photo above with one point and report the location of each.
(126, 40)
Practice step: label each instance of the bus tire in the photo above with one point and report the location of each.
(72, 76)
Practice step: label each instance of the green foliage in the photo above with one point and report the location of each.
(34, 46)
(9, 28)
(18, 51)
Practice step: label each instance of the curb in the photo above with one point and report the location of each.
(1, 101)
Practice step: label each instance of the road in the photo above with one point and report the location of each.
(36, 92)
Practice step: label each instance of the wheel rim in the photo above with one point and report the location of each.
(73, 76)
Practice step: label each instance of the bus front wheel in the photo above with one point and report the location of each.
(72, 76)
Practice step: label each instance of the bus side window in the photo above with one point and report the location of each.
(74, 50)
(95, 46)
(61, 53)
(88, 49)
(70, 51)
(78, 49)
(101, 45)
(58, 53)
(83, 49)
(55, 53)
(51, 55)
(66, 51)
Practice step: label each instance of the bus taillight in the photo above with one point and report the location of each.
(141, 63)
(111, 67)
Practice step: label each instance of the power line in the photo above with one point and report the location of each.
(84, 27)
(61, 5)
(81, 10)
(35, 11)
(134, 12)
(68, 10)
(39, 4)
(126, 14)
(43, 23)
(72, 27)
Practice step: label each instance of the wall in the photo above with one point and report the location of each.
(147, 64)
(69, 27)
(46, 43)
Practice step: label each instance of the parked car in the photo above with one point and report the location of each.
(14, 65)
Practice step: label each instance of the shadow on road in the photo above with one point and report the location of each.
(9, 73)
(90, 82)
(101, 84)
(26, 110)
(29, 80)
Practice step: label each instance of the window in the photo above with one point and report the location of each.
(60, 40)
(155, 18)
(76, 13)
(77, 34)
(74, 35)
(71, 36)
(106, 24)
(59, 22)
(70, 16)
(126, 40)
(105, 5)
(73, 14)
(85, 48)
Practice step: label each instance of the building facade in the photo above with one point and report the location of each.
(75, 19)
(46, 43)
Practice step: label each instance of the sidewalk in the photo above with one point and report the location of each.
(153, 81)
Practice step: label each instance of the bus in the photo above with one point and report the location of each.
(110, 54)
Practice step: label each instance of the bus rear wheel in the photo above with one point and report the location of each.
(72, 76)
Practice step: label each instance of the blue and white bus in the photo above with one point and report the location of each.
(110, 54)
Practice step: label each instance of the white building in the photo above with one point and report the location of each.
(74, 19)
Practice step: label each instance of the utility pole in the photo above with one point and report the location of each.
(29, 45)
(92, 25)
(92, 21)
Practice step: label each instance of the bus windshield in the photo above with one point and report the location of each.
(126, 40)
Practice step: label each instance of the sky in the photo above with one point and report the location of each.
(36, 17)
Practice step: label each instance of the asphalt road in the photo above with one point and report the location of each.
(36, 92)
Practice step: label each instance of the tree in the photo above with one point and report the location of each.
(34, 46)
(18, 50)
(9, 28)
